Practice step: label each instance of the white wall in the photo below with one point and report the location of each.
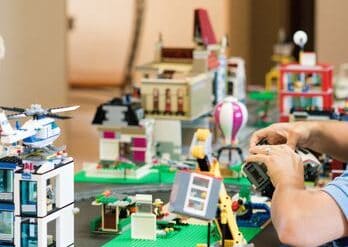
(34, 66)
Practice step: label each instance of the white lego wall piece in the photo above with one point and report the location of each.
(143, 226)
(308, 58)
(143, 198)
(64, 188)
(64, 228)
(108, 149)
(91, 171)
(168, 131)
(126, 138)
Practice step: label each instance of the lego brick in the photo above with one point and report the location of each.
(186, 237)
(109, 135)
(152, 178)
(139, 142)
(6, 207)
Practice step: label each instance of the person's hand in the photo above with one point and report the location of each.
(284, 166)
(292, 134)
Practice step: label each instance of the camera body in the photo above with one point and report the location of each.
(257, 173)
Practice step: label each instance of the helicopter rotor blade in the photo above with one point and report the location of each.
(57, 116)
(63, 109)
(15, 109)
(15, 116)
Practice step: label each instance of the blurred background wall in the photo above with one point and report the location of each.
(331, 31)
(100, 39)
(36, 38)
(34, 69)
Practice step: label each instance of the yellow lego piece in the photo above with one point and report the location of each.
(198, 152)
(202, 134)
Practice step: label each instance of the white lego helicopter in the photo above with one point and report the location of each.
(39, 132)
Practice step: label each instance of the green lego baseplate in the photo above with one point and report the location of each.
(154, 177)
(188, 236)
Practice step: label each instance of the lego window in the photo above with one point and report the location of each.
(29, 235)
(202, 182)
(51, 194)
(197, 197)
(6, 185)
(52, 233)
(28, 197)
(196, 205)
(197, 193)
(144, 207)
(6, 226)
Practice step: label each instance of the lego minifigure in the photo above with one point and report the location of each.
(158, 208)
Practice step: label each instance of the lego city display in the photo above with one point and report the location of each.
(230, 117)
(282, 51)
(236, 78)
(126, 144)
(250, 211)
(115, 212)
(169, 83)
(306, 84)
(143, 221)
(193, 195)
(226, 220)
(37, 185)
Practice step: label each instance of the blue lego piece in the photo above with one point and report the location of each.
(255, 219)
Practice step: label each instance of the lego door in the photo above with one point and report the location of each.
(6, 185)
(6, 227)
(110, 218)
(125, 150)
(29, 236)
(28, 197)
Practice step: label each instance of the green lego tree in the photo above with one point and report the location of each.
(125, 166)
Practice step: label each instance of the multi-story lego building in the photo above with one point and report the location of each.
(304, 86)
(34, 195)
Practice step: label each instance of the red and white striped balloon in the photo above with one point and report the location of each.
(230, 117)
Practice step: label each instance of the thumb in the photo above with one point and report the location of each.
(292, 140)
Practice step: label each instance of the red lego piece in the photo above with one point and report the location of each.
(203, 30)
(290, 71)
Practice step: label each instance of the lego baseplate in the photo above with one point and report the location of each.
(187, 237)
(152, 178)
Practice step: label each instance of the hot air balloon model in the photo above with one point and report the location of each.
(230, 117)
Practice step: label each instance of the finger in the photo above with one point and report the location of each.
(264, 149)
(269, 149)
(292, 140)
(258, 158)
(257, 136)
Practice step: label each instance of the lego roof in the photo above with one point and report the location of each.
(203, 31)
(130, 115)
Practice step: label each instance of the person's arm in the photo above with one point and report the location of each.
(301, 217)
(330, 137)
(306, 217)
